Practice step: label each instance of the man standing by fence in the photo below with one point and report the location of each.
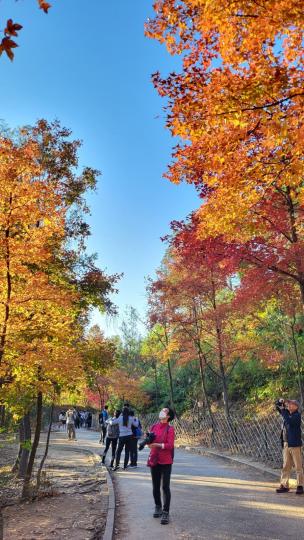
(291, 443)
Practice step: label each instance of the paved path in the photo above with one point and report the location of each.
(212, 499)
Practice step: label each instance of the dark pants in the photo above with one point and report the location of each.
(161, 476)
(113, 443)
(123, 442)
(103, 432)
(133, 450)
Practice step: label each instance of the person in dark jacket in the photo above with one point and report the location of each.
(103, 417)
(136, 434)
(291, 443)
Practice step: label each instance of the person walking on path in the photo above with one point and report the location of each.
(125, 422)
(160, 460)
(136, 434)
(77, 419)
(291, 443)
(103, 417)
(62, 419)
(111, 439)
(70, 423)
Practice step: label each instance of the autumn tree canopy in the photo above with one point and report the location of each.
(48, 282)
(237, 106)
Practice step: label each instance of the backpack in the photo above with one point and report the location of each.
(137, 431)
(112, 431)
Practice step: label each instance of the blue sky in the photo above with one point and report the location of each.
(88, 64)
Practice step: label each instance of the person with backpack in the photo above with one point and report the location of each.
(160, 461)
(136, 434)
(111, 439)
(125, 421)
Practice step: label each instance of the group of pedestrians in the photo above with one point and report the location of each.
(73, 419)
(120, 431)
(123, 430)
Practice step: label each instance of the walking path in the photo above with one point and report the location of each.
(212, 499)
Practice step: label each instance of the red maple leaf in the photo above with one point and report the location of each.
(44, 5)
(12, 28)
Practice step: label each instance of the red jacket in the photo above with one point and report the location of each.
(165, 455)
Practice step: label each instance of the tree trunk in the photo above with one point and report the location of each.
(220, 353)
(171, 385)
(15, 467)
(204, 390)
(25, 445)
(156, 384)
(8, 284)
(46, 448)
(29, 470)
(301, 285)
(225, 388)
(2, 415)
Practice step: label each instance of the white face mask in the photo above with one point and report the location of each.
(163, 414)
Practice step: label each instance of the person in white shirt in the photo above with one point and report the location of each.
(125, 422)
(70, 422)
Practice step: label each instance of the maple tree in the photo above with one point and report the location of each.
(99, 356)
(194, 286)
(162, 341)
(11, 31)
(238, 106)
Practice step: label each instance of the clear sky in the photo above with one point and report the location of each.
(88, 64)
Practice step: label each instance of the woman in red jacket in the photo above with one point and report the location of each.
(160, 460)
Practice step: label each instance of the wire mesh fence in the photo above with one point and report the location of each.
(257, 438)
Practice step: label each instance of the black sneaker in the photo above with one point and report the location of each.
(157, 512)
(116, 468)
(282, 489)
(299, 490)
(165, 518)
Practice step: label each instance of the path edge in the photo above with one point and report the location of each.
(110, 520)
(242, 461)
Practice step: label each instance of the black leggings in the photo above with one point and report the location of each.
(161, 475)
(110, 442)
(133, 450)
(103, 433)
(123, 441)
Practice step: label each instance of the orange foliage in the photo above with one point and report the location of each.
(38, 325)
(238, 105)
